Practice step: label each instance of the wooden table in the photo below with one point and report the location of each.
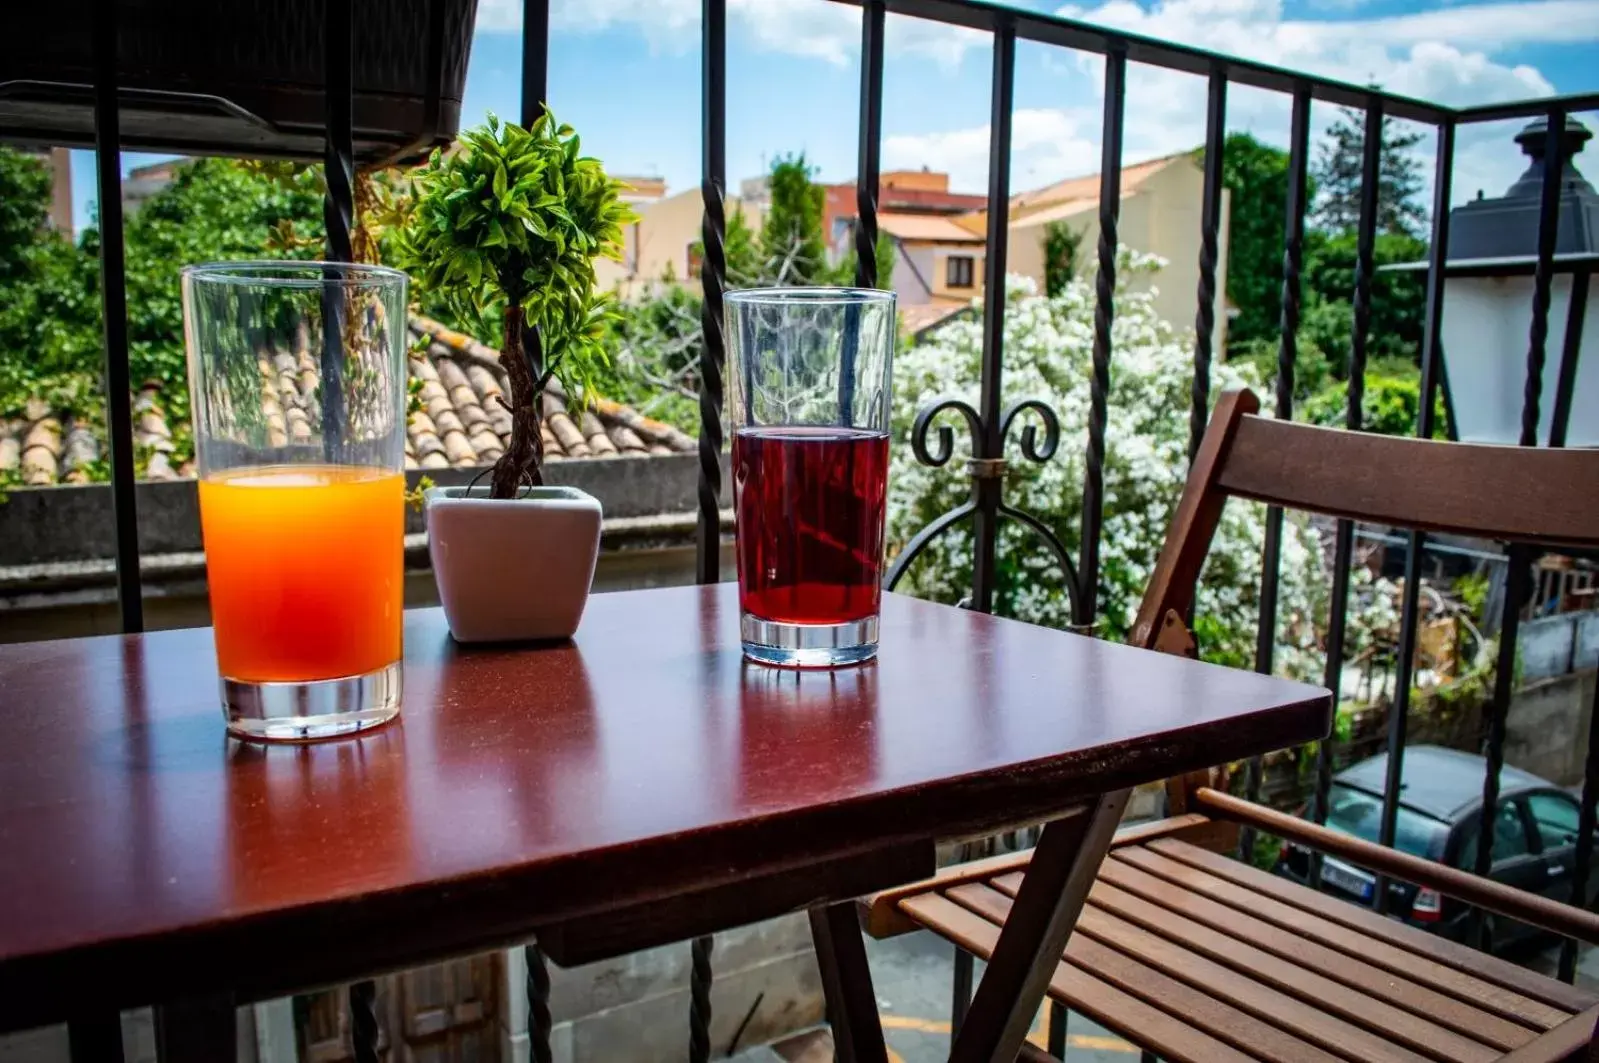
(639, 785)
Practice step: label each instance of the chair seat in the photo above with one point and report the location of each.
(1202, 959)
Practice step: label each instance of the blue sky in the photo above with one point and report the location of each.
(626, 73)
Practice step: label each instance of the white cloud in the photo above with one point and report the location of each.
(809, 28)
(1046, 144)
(1445, 56)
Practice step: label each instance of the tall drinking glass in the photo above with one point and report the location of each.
(809, 389)
(297, 379)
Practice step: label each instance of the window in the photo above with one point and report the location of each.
(958, 271)
(1360, 813)
(1556, 817)
(1510, 837)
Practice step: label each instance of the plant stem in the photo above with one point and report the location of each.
(520, 355)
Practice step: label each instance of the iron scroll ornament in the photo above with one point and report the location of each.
(1035, 447)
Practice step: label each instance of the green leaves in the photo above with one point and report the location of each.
(520, 214)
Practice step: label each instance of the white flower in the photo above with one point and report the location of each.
(1048, 355)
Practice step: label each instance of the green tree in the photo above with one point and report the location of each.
(1398, 297)
(1061, 243)
(1256, 176)
(519, 215)
(793, 246)
(1337, 173)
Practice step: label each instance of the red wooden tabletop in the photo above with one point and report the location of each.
(523, 786)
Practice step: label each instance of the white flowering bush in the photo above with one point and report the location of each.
(1048, 355)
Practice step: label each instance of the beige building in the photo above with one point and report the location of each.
(663, 243)
(940, 247)
(1161, 207)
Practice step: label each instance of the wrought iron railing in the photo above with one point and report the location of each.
(989, 422)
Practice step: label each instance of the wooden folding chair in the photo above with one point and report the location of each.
(1198, 958)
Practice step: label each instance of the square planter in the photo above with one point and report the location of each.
(513, 570)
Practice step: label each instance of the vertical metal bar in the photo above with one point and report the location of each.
(1210, 224)
(713, 278)
(1344, 539)
(713, 281)
(338, 211)
(1554, 164)
(1110, 195)
(1585, 827)
(868, 173)
(986, 489)
(1520, 557)
(1287, 353)
(364, 1021)
(1590, 777)
(538, 1003)
(699, 1005)
(535, 59)
(1576, 318)
(114, 314)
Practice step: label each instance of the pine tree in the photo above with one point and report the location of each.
(1337, 176)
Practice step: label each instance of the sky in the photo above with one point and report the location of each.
(626, 74)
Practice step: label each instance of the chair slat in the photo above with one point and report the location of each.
(1314, 927)
(1528, 983)
(1420, 1001)
(1208, 1014)
(1295, 1016)
(1412, 1031)
(1521, 494)
(1169, 1038)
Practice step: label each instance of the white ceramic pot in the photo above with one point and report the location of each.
(516, 569)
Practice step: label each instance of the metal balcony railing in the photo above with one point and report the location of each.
(988, 423)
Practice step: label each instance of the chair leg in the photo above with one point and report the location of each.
(961, 990)
(847, 982)
(1057, 1029)
(1029, 948)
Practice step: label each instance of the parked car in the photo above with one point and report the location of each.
(1440, 807)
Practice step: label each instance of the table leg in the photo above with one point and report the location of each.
(847, 981)
(1029, 948)
(97, 1039)
(201, 1029)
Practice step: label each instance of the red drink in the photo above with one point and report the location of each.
(810, 503)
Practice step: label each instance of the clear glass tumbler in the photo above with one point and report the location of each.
(809, 392)
(297, 379)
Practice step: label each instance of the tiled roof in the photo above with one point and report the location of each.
(460, 423)
(923, 318)
(926, 227)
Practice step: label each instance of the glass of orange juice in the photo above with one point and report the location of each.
(297, 382)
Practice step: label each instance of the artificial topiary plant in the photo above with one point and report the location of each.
(518, 214)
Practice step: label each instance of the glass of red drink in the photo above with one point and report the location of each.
(808, 398)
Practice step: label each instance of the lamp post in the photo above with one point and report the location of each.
(1488, 304)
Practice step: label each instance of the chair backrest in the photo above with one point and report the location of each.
(1534, 495)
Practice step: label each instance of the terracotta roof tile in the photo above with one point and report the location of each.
(461, 422)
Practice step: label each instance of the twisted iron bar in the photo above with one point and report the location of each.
(714, 278)
(364, 1021)
(1209, 255)
(538, 1003)
(983, 465)
(699, 1008)
(1104, 317)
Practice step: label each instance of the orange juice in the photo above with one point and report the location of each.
(305, 565)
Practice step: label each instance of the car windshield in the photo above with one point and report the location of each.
(1359, 813)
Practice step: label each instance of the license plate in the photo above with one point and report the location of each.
(1348, 879)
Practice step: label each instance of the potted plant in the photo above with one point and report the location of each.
(512, 220)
